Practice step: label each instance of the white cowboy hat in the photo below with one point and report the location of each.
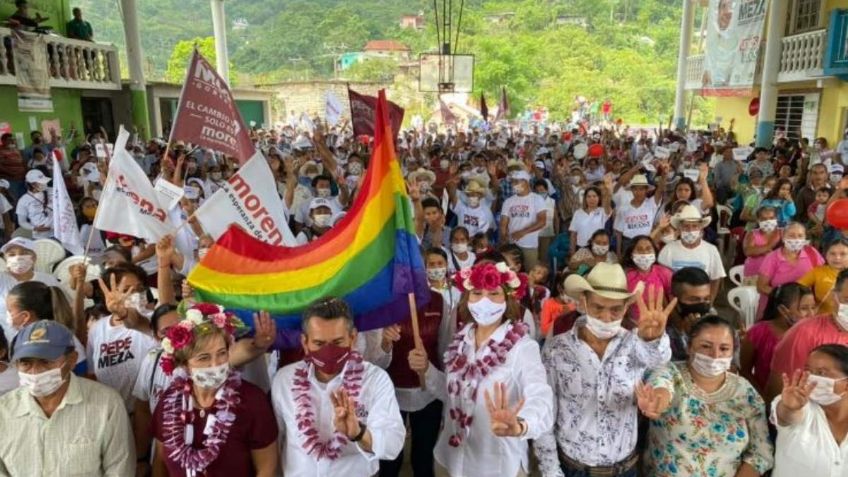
(639, 180)
(689, 213)
(318, 166)
(606, 279)
(475, 187)
(580, 151)
(422, 173)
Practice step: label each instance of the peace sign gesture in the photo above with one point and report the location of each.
(504, 418)
(115, 297)
(652, 317)
(652, 401)
(796, 390)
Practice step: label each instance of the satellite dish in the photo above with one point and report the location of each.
(580, 150)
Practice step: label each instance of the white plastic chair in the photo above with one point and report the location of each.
(63, 270)
(722, 228)
(48, 253)
(737, 274)
(745, 300)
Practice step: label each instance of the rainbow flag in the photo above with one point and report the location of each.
(371, 258)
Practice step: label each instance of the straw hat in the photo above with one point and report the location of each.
(639, 180)
(475, 187)
(689, 213)
(606, 279)
(422, 173)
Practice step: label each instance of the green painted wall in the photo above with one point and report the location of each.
(251, 111)
(66, 106)
(58, 11)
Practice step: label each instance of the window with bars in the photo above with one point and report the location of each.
(789, 116)
(805, 16)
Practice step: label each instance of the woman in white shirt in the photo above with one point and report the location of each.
(34, 209)
(811, 416)
(596, 210)
(495, 393)
(460, 255)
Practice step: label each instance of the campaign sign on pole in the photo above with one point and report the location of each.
(250, 200)
(65, 227)
(733, 44)
(129, 204)
(207, 113)
(333, 108)
(362, 110)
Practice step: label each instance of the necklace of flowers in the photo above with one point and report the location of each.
(464, 376)
(178, 425)
(305, 414)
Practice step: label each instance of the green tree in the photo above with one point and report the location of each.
(181, 57)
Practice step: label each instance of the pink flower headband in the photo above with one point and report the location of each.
(489, 276)
(197, 320)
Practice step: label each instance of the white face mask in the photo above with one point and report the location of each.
(322, 220)
(768, 225)
(19, 264)
(795, 245)
(354, 169)
(437, 274)
(42, 384)
(602, 329)
(842, 316)
(473, 202)
(600, 249)
(323, 193)
(210, 378)
(710, 367)
(644, 261)
(444, 164)
(137, 301)
(486, 312)
(667, 239)
(823, 394)
(459, 247)
(690, 238)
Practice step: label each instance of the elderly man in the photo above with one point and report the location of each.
(338, 414)
(594, 368)
(523, 216)
(691, 250)
(57, 423)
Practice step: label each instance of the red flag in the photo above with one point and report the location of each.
(447, 115)
(484, 109)
(362, 113)
(207, 113)
(503, 106)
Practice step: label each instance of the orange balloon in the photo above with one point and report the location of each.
(837, 214)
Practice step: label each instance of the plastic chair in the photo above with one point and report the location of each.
(736, 275)
(48, 253)
(745, 300)
(62, 272)
(724, 214)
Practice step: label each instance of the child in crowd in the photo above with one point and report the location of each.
(815, 215)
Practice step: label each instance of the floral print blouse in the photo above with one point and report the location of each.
(706, 434)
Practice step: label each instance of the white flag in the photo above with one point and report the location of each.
(64, 220)
(129, 204)
(306, 122)
(334, 108)
(250, 200)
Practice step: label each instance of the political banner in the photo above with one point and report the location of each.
(248, 199)
(333, 108)
(207, 114)
(733, 44)
(128, 203)
(31, 72)
(362, 110)
(65, 228)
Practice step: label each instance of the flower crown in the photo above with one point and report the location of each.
(488, 276)
(197, 320)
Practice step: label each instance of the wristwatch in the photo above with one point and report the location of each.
(522, 424)
(362, 429)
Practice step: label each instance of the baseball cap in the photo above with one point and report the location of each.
(320, 202)
(44, 339)
(34, 175)
(19, 242)
(519, 176)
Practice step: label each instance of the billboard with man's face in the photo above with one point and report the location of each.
(733, 44)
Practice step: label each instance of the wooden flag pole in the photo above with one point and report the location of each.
(416, 334)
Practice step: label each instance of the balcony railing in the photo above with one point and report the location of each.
(800, 59)
(71, 63)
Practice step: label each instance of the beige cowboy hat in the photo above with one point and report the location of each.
(639, 180)
(514, 163)
(422, 173)
(606, 279)
(475, 187)
(689, 213)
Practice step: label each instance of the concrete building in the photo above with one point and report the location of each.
(298, 97)
(386, 49)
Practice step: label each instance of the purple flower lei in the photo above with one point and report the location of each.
(464, 377)
(305, 416)
(179, 419)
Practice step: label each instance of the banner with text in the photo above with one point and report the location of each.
(33, 77)
(362, 110)
(249, 199)
(207, 114)
(733, 44)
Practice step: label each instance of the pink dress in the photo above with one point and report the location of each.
(780, 271)
(752, 264)
(659, 276)
(762, 336)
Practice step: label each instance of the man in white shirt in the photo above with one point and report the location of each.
(474, 212)
(690, 250)
(337, 414)
(523, 216)
(593, 369)
(635, 212)
(34, 209)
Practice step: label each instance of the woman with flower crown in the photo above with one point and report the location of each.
(209, 422)
(495, 393)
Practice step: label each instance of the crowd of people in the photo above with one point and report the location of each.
(577, 323)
